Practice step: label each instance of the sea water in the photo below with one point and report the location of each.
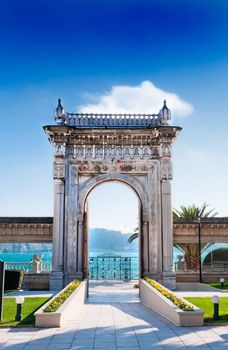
(10, 253)
(46, 254)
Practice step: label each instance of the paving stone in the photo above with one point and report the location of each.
(35, 347)
(81, 347)
(59, 347)
(115, 326)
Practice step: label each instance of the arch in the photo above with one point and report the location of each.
(137, 187)
(216, 250)
(115, 262)
(131, 182)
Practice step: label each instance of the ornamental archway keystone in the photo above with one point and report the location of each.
(135, 149)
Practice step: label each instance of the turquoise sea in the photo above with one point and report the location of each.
(18, 253)
(7, 255)
(26, 256)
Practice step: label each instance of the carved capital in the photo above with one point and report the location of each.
(59, 150)
(166, 170)
(59, 171)
(166, 150)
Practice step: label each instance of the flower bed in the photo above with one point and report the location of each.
(166, 303)
(169, 295)
(60, 298)
(63, 306)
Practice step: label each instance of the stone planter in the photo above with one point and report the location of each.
(153, 299)
(65, 311)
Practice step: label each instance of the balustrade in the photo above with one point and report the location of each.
(30, 267)
(111, 120)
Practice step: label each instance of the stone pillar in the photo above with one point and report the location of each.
(167, 226)
(71, 203)
(56, 278)
(168, 275)
(145, 252)
(86, 241)
(153, 249)
(80, 249)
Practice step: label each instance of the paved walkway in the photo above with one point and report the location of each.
(31, 293)
(115, 326)
(201, 294)
(113, 291)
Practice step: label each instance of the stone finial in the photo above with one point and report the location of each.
(165, 114)
(59, 113)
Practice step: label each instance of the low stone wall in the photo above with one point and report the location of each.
(153, 299)
(36, 281)
(66, 310)
(195, 287)
(207, 277)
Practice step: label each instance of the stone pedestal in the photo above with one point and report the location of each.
(169, 280)
(56, 280)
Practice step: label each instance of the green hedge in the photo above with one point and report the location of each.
(13, 279)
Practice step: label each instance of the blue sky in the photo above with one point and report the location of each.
(79, 50)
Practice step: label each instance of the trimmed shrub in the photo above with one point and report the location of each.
(13, 279)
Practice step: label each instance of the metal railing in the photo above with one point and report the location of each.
(113, 268)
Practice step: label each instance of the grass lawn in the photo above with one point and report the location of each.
(28, 308)
(218, 285)
(205, 304)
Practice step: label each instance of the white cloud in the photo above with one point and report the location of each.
(143, 98)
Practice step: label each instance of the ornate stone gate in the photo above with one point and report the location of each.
(90, 149)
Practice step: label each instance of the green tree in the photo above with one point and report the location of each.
(193, 212)
(189, 212)
(191, 250)
(134, 235)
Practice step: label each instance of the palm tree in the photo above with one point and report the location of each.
(191, 250)
(134, 235)
(193, 212)
(189, 212)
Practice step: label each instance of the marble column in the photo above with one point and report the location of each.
(169, 278)
(153, 249)
(145, 253)
(80, 249)
(167, 226)
(56, 278)
(71, 202)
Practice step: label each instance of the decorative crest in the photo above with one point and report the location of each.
(165, 114)
(59, 113)
(108, 120)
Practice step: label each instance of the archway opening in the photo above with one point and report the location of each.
(113, 212)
